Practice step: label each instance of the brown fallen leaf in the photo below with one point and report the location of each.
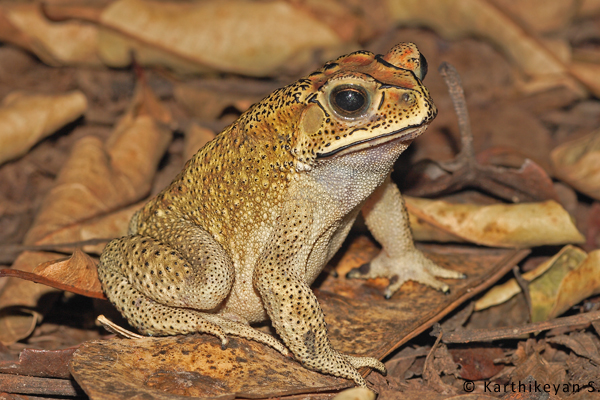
(425, 232)
(580, 343)
(208, 104)
(195, 138)
(20, 309)
(55, 43)
(25, 119)
(193, 365)
(543, 63)
(208, 36)
(107, 226)
(99, 178)
(359, 319)
(477, 362)
(499, 225)
(77, 272)
(578, 163)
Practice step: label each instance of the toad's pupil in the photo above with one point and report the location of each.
(349, 100)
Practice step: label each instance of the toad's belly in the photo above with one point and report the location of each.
(244, 301)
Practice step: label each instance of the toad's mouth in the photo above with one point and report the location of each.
(405, 136)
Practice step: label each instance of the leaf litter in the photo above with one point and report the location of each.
(525, 100)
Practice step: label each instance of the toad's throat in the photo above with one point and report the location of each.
(404, 135)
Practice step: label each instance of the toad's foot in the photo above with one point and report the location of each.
(411, 265)
(359, 362)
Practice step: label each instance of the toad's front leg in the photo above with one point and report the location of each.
(386, 216)
(293, 307)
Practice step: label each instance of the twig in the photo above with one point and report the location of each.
(524, 285)
(457, 94)
(486, 335)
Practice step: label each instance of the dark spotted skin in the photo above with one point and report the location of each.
(253, 218)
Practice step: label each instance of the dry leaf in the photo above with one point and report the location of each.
(55, 43)
(25, 119)
(76, 274)
(99, 178)
(359, 319)
(195, 138)
(107, 226)
(556, 285)
(481, 18)
(504, 292)
(20, 309)
(541, 15)
(208, 104)
(566, 283)
(194, 365)
(78, 271)
(231, 36)
(581, 343)
(578, 163)
(499, 225)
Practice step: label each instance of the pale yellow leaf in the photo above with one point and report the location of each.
(578, 163)
(498, 225)
(56, 43)
(25, 119)
(504, 292)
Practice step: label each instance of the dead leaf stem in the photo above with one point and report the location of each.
(486, 335)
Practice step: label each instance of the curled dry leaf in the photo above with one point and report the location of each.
(55, 43)
(25, 119)
(566, 283)
(78, 271)
(578, 163)
(99, 178)
(76, 274)
(504, 292)
(555, 285)
(499, 225)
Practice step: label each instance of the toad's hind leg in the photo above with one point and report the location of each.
(161, 292)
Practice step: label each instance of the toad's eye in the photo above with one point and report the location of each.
(349, 101)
